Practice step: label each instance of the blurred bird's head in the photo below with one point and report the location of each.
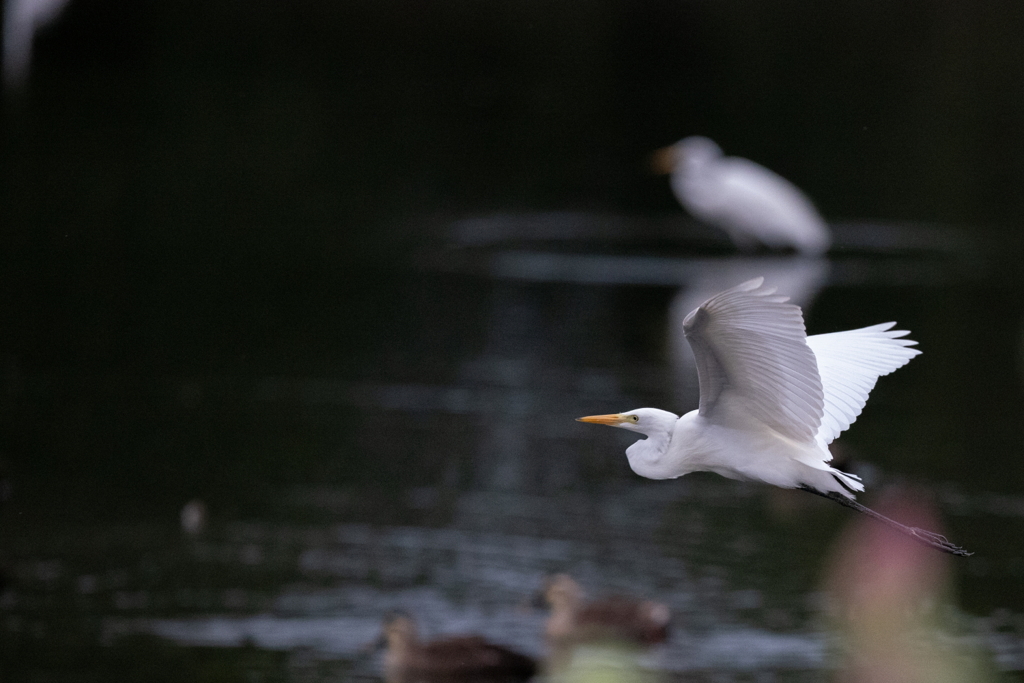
(689, 153)
(398, 632)
(561, 592)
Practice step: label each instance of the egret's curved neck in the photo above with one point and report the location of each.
(647, 456)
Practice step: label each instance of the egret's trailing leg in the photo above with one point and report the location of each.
(937, 541)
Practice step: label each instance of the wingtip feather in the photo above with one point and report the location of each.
(750, 285)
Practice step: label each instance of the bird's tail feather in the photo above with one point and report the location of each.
(851, 482)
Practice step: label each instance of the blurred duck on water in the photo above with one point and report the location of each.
(459, 658)
(618, 620)
(754, 205)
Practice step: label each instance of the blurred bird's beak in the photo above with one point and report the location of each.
(610, 420)
(664, 160)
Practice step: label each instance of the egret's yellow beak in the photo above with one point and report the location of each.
(664, 160)
(610, 420)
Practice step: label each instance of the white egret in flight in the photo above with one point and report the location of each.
(752, 204)
(771, 400)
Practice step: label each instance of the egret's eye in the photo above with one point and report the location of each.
(634, 418)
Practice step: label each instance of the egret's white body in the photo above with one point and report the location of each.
(751, 203)
(771, 399)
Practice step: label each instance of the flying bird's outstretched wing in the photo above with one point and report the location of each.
(849, 364)
(751, 350)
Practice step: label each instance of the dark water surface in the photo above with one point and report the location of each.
(414, 448)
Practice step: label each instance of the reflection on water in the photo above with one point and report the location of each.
(704, 549)
(450, 487)
(474, 575)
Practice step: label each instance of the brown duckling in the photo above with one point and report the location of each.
(459, 658)
(619, 619)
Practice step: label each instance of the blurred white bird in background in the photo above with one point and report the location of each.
(771, 399)
(22, 18)
(752, 204)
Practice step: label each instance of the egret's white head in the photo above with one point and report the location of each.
(648, 421)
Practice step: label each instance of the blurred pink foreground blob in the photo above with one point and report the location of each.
(889, 596)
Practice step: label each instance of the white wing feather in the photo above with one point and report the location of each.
(849, 364)
(750, 348)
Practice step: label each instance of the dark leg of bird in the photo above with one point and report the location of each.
(928, 538)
